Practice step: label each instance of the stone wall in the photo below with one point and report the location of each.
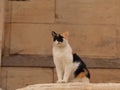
(1, 26)
(19, 77)
(1, 34)
(93, 26)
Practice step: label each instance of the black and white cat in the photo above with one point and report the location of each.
(68, 64)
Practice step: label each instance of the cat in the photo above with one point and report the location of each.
(67, 64)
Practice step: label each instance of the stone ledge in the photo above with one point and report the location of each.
(74, 86)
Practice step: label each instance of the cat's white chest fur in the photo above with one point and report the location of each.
(63, 60)
(62, 55)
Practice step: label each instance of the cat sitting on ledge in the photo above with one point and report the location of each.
(68, 64)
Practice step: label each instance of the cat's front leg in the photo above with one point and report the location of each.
(68, 70)
(59, 73)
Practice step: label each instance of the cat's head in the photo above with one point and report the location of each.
(60, 39)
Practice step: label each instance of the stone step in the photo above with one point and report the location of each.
(73, 86)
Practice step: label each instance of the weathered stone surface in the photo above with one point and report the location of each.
(86, 40)
(0, 78)
(74, 86)
(92, 26)
(117, 12)
(33, 11)
(3, 82)
(86, 11)
(1, 26)
(118, 41)
(21, 77)
(18, 77)
(31, 39)
(8, 11)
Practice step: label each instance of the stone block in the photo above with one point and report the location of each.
(8, 11)
(33, 11)
(86, 11)
(86, 40)
(21, 77)
(118, 41)
(31, 39)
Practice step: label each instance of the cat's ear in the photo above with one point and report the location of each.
(65, 35)
(54, 34)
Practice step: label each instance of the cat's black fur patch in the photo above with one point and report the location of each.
(81, 67)
(57, 37)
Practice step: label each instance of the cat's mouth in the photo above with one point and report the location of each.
(59, 43)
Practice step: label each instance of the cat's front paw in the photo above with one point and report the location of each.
(64, 81)
(59, 81)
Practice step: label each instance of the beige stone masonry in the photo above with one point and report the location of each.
(74, 86)
(1, 24)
